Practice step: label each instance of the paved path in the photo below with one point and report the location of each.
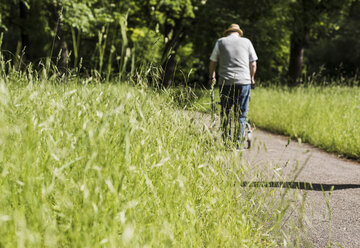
(323, 171)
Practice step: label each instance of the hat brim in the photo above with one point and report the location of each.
(226, 32)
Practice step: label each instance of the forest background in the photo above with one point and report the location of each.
(296, 40)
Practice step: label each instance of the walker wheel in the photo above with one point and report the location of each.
(249, 139)
(248, 144)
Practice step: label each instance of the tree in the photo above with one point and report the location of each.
(179, 34)
(179, 16)
(335, 47)
(173, 18)
(305, 15)
(46, 27)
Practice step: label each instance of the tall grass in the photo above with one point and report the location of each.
(84, 164)
(327, 117)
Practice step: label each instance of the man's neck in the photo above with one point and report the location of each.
(234, 34)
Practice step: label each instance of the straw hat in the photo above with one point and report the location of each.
(233, 28)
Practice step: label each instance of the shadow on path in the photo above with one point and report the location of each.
(302, 185)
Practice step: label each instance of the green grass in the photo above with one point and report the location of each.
(327, 117)
(84, 164)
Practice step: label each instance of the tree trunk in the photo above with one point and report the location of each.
(169, 54)
(60, 49)
(170, 65)
(25, 40)
(64, 56)
(305, 15)
(296, 59)
(298, 42)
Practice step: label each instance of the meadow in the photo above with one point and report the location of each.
(326, 117)
(90, 164)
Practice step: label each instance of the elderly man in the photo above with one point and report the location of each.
(236, 58)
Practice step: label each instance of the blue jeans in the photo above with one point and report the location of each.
(238, 96)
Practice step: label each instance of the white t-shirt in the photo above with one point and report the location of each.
(233, 54)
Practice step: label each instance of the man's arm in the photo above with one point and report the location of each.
(253, 71)
(212, 74)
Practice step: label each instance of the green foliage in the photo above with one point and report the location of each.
(148, 45)
(335, 51)
(89, 15)
(156, 30)
(172, 9)
(78, 15)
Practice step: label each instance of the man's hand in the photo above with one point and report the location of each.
(212, 81)
(252, 73)
(212, 74)
(252, 83)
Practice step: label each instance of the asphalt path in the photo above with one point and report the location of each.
(323, 176)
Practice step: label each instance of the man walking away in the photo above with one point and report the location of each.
(236, 59)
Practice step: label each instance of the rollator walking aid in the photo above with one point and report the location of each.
(247, 130)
